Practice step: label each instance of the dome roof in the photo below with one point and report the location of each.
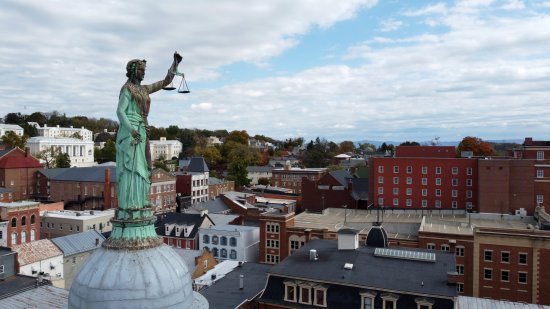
(147, 278)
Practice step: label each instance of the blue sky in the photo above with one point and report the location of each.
(343, 70)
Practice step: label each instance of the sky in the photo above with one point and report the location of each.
(374, 70)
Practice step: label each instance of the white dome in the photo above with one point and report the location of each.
(147, 278)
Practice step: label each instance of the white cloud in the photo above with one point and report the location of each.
(438, 8)
(514, 5)
(204, 106)
(390, 25)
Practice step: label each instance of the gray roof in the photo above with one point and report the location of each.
(369, 270)
(360, 188)
(43, 297)
(197, 165)
(342, 176)
(5, 151)
(188, 256)
(214, 206)
(466, 302)
(214, 181)
(259, 169)
(15, 284)
(222, 218)
(77, 243)
(225, 292)
(91, 174)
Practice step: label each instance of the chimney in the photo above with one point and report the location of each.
(528, 141)
(313, 255)
(107, 189)
(27, 151)
(97, 242)
(241, 282)
(308, 234)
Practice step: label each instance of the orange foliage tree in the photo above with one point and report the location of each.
(477, 145)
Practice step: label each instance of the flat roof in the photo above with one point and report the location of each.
(19, 204)
(230, 227)
(73, 214)
(45, 297)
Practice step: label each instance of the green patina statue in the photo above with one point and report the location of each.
(133, 225)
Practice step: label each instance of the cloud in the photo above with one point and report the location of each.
(438, 8)
(514, 5)
(204, 106)
(390, 25)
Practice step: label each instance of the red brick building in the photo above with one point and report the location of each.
(163, 191)
(427, 177)
(291, 177)
(216, 187)
(23, 221)
(17, 168)
(181, 230)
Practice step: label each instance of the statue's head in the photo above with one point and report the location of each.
(135, 69)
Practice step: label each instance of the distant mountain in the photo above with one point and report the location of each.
(422, 143)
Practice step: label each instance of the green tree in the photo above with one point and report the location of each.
(48, 156)
(211, 155)
(239, 158)
(107, 153)
(62, 160)
(410, 143)
(38, 117)
(240, 137)
(346, 146)
(11, 139)
(263, 181)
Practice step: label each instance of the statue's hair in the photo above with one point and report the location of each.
(132, 66)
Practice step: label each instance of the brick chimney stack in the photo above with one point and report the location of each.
(107, 190)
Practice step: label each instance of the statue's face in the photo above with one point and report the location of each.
(141, 71)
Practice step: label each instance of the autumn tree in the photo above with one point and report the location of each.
(346, 146)
(240, 137)
(211, 155)
(48, 157)
(238, 159)
(11, 139)
(475, 144)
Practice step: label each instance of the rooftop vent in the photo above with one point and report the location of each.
(313, 255)
(348, 266)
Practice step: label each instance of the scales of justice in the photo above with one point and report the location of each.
(183, 84)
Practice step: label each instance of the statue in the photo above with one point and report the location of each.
(132, 146)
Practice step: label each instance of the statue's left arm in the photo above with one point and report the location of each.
(154, 87)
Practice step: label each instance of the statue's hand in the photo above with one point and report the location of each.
(135, 134)
(177, 57)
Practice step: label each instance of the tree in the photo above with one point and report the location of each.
(239, 158)
(346, 146)
(409, 143)
(107, 153)
(38, 117)
(240, 137)
(211, 155)
(62, 160)
(11, 139)
(475, 144)
(263, 181)
(48, 156)
(14, 118)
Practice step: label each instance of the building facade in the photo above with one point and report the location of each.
(231, 242)
(291, 177)
(163, 191)
(17, 168)
(257, 172)
(57, 131)
(5, 128)
(194, 181)
(81, 152)
(166, 149)
(181, 230)
(217, 186)
(23, 222)
(68, 222)
(40, 258)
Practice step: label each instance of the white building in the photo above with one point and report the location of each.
(81, 152)
(58, 131)
(41, 257)
(3, 233)
(5, 128)
(231, 242)
(200, 174)
(66, 222)
(165, 148)
(257, 172)
(213, 141)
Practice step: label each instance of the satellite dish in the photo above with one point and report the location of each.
(435, 141)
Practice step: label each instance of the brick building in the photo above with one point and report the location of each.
(23, 222)
(17, 168)
(424, 177)
(291, 177)
(497, 256)
(193, 181)
(163, 191)
(6, 195)
(334, 190)
(217, 186)
(181, 230)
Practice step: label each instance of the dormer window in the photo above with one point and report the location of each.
(367, 299)
(389, 301)
(290, 291)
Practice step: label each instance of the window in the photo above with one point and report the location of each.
(380, 190)
(446, 248)
(438, 170)
(295, 245)
(33, 235)
(1, 269)
(409, 202)
(233, 242)
(454, 204)
(380, 201)
(505, 257)
(424, 181)
(380, 169)
(454, 193)
(395, 191)
(273, 259)
(505, 275)
(396, 169)
(437, 192)
(540, 155)
(488, 274)
(23, 221)
(460, 287)
(395, 180)
(460, 269)
(540, 198)
(14, 238)
(380, 179)
(409, 169)
(395, 202)
(305, 295)
(215, 252)
(320, 296)
(424, 170)
(522, 277)
(389, 301)
(522, 259)
(438, 181)
(424, 203)
(14, 222)
(424, 192)
(409, 180)
(430, 246)
(206, 239)
(454, 182)
(469, 194)
(367, 300)
(488, 255)
(223, 253)
(455, 170)
(233, 254)
(33, 219)
(409, 191)
(272, 227)
(469, 171)
(223, 241)
(1, 234)
(270, 243)
(214, 240)
(459, 251)
(290, 291)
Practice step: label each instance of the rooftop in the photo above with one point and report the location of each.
(56, 140)
(230, 227)
(225, 293)
(80, 242)
(91, 174)
(43, 297)
(465, 302)
(197, 165)
(79, 215)
(19, 204)
(35, 251)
